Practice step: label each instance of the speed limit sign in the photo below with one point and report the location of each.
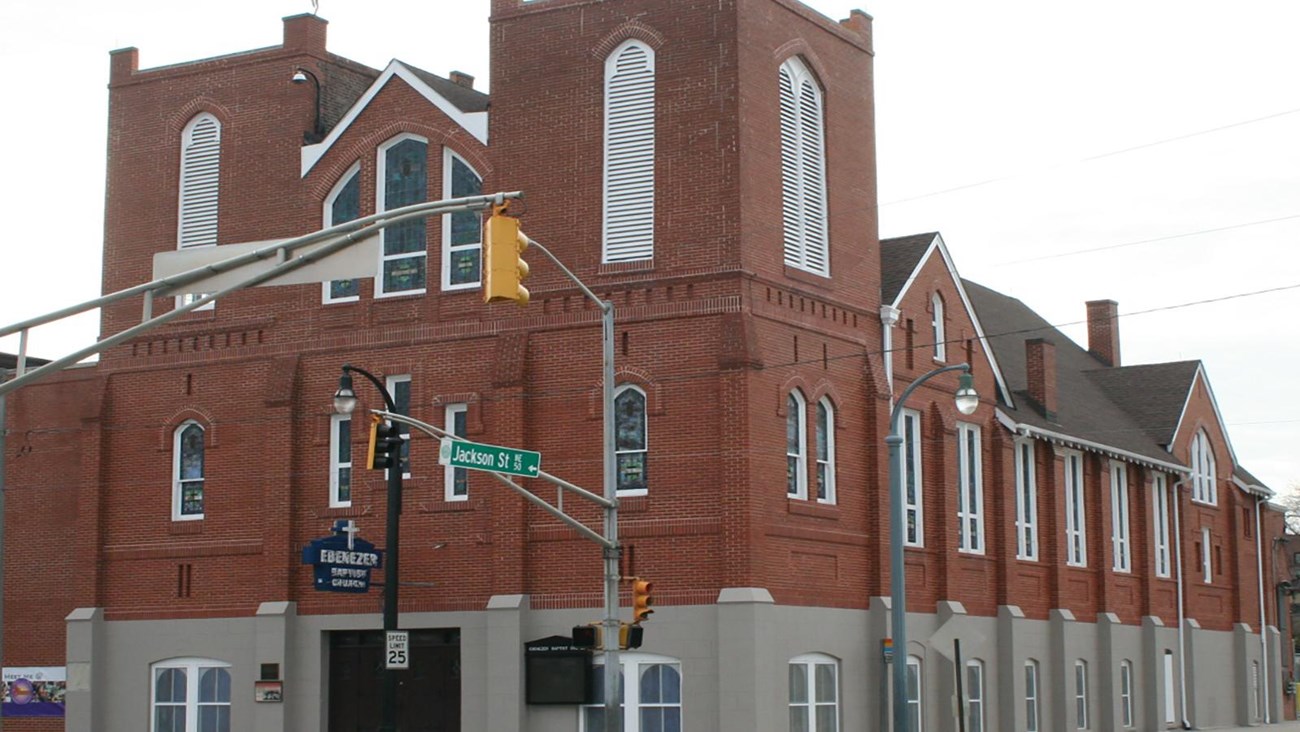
(397, 651)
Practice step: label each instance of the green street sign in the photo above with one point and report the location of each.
(473, 456)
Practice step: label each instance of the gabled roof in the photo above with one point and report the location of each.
(902, 258)
(1154, 395)
(1086, 415)
(465, 106)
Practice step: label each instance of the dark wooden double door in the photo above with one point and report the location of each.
(428, 694)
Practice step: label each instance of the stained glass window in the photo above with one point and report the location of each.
(346, 207)
(405, 182)
(630, 438)
(796, 477)
(464, 230)
(825, 452)
(189, 470)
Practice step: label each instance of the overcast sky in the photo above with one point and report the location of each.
(1160, 135)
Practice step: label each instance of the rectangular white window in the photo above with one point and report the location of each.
(1207, 568)
(970, 491)
(399, 387)
(651, 695)
(340, 460)
(814, 694)
(1076, 540)
(914, 717)
(1031, 696)
(455, 480)
(1170, 706)
(974, 696)
(1126, 694)
(191, 695)
(1119, 524)
(911, 477)
(1080, 695)
(1160, 497)
(1026, 502)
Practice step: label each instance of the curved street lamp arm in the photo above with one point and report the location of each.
(388, 398)
(898, 406)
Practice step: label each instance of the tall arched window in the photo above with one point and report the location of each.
(975, 700)
(462, 231)
(937, 330)
(630, 438)
(914, 717)
(825, 451)
(403, 180)
(814, 693)
(200, 172)
(1126, 693)
(190, 695)
(187, 472)
(341, 206)
(796, 446)
(1031, 696)
(803, 169)
(629, 193)
(1204, 487)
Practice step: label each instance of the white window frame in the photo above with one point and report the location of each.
(337, 465)
(193, 668)
(632, 665)
(912, 444)
(184, 213)
(1121, 551)
(805, 212)
(1160, 511)
(1126, 694)
(797, 414)
(970, 490)
(1026, 501)
(390, 385)
(807, 665)
(914, 702)
(448, 472)
(1076, 525)
(177, 492)
(448, 155)
(1207, 557)
(937, 329)
(976, 719)
(381, 170)
(1081, 694)
(1204, 484)
(645, 461)
(826, 466)
(628, 183)
(327, 217)
(1033, 685)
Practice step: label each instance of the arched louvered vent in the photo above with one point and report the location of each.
(200, 172)
(803, 169)
(629, 209)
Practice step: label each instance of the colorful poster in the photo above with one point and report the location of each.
(34, 692)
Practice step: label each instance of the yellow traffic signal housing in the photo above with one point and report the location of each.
(504, 269)
(383, 448)
(641, 600)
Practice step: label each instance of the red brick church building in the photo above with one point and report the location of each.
(709, 167)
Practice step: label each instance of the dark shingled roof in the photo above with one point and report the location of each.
(1153, 394)
(465, 99)
(9, 361)
(1084, 410)
(898, 259)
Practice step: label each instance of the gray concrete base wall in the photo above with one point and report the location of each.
(733, 656)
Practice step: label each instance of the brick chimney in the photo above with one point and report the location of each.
(1103, 330)
(305, 33)
(1040, 373)
(460, 78)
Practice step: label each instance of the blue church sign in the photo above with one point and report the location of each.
(342, 561)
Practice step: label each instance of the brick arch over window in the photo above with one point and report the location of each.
(787, 386)
(342, 156)
(199, 105)
(630, 30)
(654, 404)
(800, 48)
(167, 430)
(824, 389)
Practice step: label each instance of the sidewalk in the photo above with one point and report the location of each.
(1287, 726)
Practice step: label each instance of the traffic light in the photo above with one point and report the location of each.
(385, 444)
(504, 269)
(641, 600)
(630, 636)
(587, 636)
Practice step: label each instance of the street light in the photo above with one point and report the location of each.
(967, 401)
(300, 76)
(345, 400)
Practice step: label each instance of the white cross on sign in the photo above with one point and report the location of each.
(350, 528)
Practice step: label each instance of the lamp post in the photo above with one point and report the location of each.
(967, 401)
(345, 400)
